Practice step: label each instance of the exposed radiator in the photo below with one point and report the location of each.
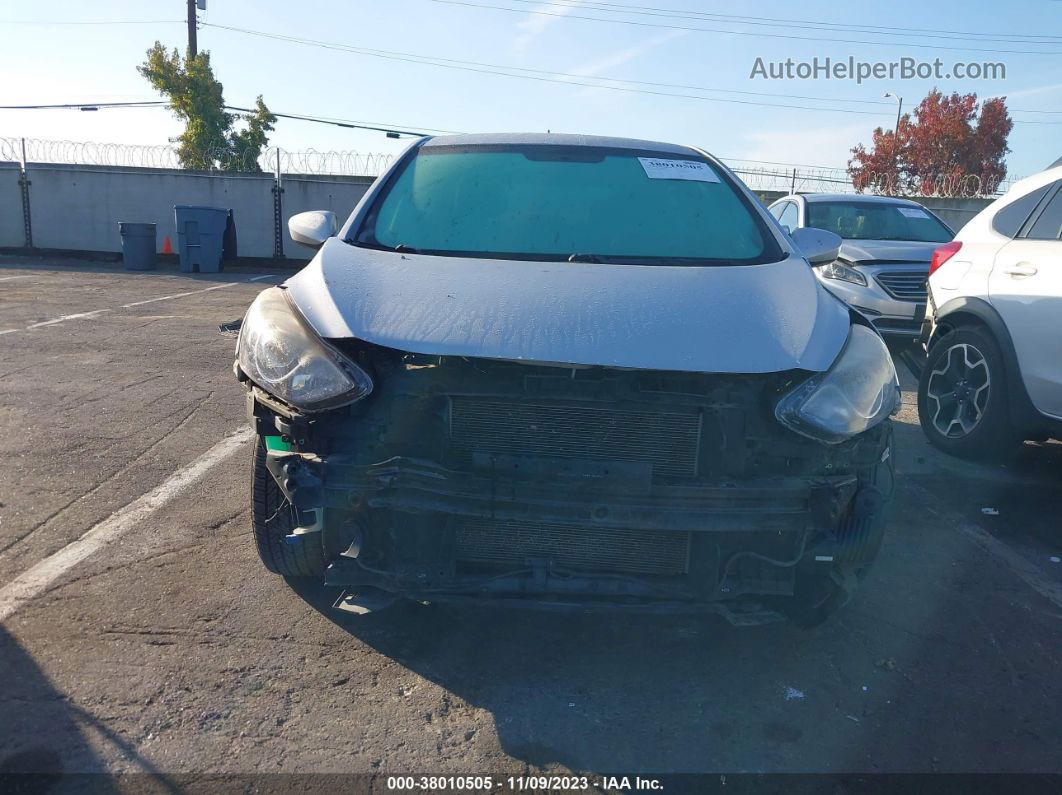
(621, 551)
(667, 440)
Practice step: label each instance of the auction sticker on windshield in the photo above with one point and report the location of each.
(913, 212)
(661, 168)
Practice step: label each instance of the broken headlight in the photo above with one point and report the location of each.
(279, 353)
(856, 393)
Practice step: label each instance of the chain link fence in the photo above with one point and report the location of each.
(165, 156)
(758, 175)
(812, 179)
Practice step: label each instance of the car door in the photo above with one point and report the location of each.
(1025, 287)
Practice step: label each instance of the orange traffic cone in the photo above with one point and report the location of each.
(166, 247)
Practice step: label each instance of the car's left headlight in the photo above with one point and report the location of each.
(279, 353)
(855, 394)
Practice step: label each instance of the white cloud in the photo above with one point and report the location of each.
(538, 19)
(620, 57)
(815, 145)
(1030, 92)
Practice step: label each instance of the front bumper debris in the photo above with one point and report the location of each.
(795, 519)
(588, 489)
(623, 500)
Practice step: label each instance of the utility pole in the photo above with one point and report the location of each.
(896, 134)
(192, 45)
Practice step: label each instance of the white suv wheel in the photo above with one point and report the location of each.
(958, 390)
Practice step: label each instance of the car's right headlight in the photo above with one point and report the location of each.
(843, 273)
(279, 353)
(858, 391)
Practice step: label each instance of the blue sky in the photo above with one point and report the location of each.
(59, 63)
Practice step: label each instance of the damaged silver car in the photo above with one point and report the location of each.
(573, 372)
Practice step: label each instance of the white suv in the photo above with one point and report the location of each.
(993, 330)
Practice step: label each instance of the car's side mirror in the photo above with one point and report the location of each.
(818, 246)
(312, 228)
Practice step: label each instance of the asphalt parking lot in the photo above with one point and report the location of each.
(169, 649)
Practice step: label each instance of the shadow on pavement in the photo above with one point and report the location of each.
(44, 744)
(939, 664)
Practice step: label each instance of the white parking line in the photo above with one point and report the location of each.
(91, 315)
(1038, 580)
(264, 276)
(178, 295)
(9, 330)
(36, 580)
(64, 318)
(9, 278)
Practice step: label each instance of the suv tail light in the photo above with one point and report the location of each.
(943, 254)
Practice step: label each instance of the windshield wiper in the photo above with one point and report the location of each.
(584, 258)
(402, 248)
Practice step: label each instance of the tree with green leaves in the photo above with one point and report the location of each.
(210, 141)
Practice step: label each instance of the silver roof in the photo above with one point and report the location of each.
(558, 139)
(856, 197)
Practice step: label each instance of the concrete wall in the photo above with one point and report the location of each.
(955, 212)
(79, 207)
(338, 194)
(11, 233)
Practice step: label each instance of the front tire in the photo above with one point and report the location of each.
(962, 401)
(272, 519)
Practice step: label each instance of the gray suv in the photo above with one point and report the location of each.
(884, 261)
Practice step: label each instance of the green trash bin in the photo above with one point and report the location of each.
(201, 236)
(138, 245)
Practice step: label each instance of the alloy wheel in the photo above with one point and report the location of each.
(958, 390)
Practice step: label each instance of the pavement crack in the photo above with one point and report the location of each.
(87, 401)
(147, 558)
(212, 636)
(130, 464)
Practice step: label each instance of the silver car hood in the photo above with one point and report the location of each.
(747, 319)
(865, 251)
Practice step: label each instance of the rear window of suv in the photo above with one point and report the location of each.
(1013, 216)
(557, 202)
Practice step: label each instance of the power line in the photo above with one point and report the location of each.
(807, 24)
(89, 22)
(430, 60)
(733, 32)
(82, 105)
(565, 78)
(338, 122)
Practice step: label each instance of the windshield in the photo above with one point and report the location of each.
(567, 202)
(878, 221)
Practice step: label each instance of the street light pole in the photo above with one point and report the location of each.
(896, 133)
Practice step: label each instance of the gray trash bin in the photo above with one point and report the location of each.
(200, 237)
(138, 245)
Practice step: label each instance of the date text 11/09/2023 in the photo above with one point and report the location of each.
(478, 784)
